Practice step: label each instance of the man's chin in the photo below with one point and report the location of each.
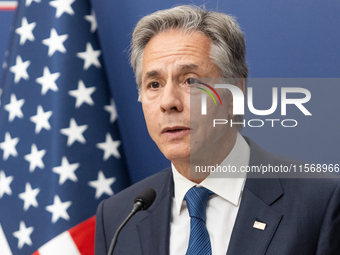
(178, 156)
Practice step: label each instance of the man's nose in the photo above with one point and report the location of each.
(172, 98)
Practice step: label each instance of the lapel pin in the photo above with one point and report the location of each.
(259, 225)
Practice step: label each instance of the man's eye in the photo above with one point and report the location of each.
(191, 81)
(154, 85)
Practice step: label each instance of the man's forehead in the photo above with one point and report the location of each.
(178, 68)
(172, 42)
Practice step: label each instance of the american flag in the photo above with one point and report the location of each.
(60, 150)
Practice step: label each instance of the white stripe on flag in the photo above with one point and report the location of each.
(5, 250)
(62, 244)
(8, 3)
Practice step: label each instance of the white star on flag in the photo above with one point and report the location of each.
(41, 119)
(82, 94)
(90, 57)
(29, 196)
(20, 69)
(112, 110)
(26, 31)
(47, 81)
(14, 108)
(8, 146)
(28, 2)
(5, 183)
(35, 158)
(92, 19)
(59, 209)
(74, 132)
(23, 235)
(62, 6)
(55, 42)
(102, 185)
(66, 171)
(109, 147)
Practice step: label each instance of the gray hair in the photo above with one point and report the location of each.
(228, 45)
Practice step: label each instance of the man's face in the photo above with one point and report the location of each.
(170, 59)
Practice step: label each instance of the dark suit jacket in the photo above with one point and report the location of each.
(302, 216)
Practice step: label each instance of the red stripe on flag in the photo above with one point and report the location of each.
(36, 253)
(83, 236)
(6, 8)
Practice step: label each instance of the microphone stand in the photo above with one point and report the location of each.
(136, 207)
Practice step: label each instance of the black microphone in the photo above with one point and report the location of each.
(142, 202)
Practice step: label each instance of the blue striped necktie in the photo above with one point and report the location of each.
(199, 241)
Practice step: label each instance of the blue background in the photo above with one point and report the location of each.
(285, 39)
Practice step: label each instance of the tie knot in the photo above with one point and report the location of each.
(197, 199)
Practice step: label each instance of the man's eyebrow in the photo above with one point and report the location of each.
(151, 74)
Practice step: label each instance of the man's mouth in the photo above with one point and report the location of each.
(175, 129)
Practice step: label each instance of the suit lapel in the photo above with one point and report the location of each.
(154, 224)
(245, 239)
(258, 196)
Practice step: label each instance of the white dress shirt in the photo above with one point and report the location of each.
(222, 207)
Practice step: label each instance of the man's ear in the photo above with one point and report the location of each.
(241, 83)
(230, 106)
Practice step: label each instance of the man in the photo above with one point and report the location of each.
(171, 51)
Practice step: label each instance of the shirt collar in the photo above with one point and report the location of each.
(229, 189)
